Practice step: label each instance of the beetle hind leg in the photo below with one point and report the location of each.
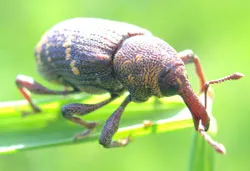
(70, 110)
(27, 85)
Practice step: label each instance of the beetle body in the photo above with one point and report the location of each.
(80, 52)
(98, 56)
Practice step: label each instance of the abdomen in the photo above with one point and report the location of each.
(79, 52)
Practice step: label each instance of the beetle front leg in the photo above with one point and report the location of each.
(82, 109)
(27, 85)
(188, 56)
(111, 126)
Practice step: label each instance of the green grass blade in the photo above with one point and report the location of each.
(201, 153)
(49, 128)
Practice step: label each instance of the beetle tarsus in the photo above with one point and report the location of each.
(83, 134)
(35, 110)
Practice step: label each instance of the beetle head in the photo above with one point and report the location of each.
(174, 81)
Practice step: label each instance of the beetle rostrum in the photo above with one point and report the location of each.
(103, 56)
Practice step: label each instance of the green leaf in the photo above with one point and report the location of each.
(201, 153)
(49, 128)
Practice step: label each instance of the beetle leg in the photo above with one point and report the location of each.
(82, 109)
(188, 56)
(111, 127)
(217, 146)
(27, 85)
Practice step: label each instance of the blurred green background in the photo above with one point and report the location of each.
(218, 31)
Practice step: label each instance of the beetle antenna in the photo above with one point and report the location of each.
(234, 76)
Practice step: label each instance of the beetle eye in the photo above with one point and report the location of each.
(167, 83)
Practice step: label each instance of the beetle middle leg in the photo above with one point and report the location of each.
(70, 110)
(111, 126)
(188, 56)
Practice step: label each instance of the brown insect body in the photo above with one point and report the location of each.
(96, 56)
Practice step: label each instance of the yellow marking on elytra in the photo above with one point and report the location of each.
(67, 45)
(72, 63)
(74, 69)
(38, 59)
(39, 48)
(44, 40)
(49, 59)
(68, 55)
(47, 49)
(68, 41)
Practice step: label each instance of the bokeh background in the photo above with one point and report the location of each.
(218, 31)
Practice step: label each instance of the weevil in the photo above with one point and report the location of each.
(102, 56)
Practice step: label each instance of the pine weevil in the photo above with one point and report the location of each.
(98, 56)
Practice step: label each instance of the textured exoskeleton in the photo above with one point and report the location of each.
(98, 56)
